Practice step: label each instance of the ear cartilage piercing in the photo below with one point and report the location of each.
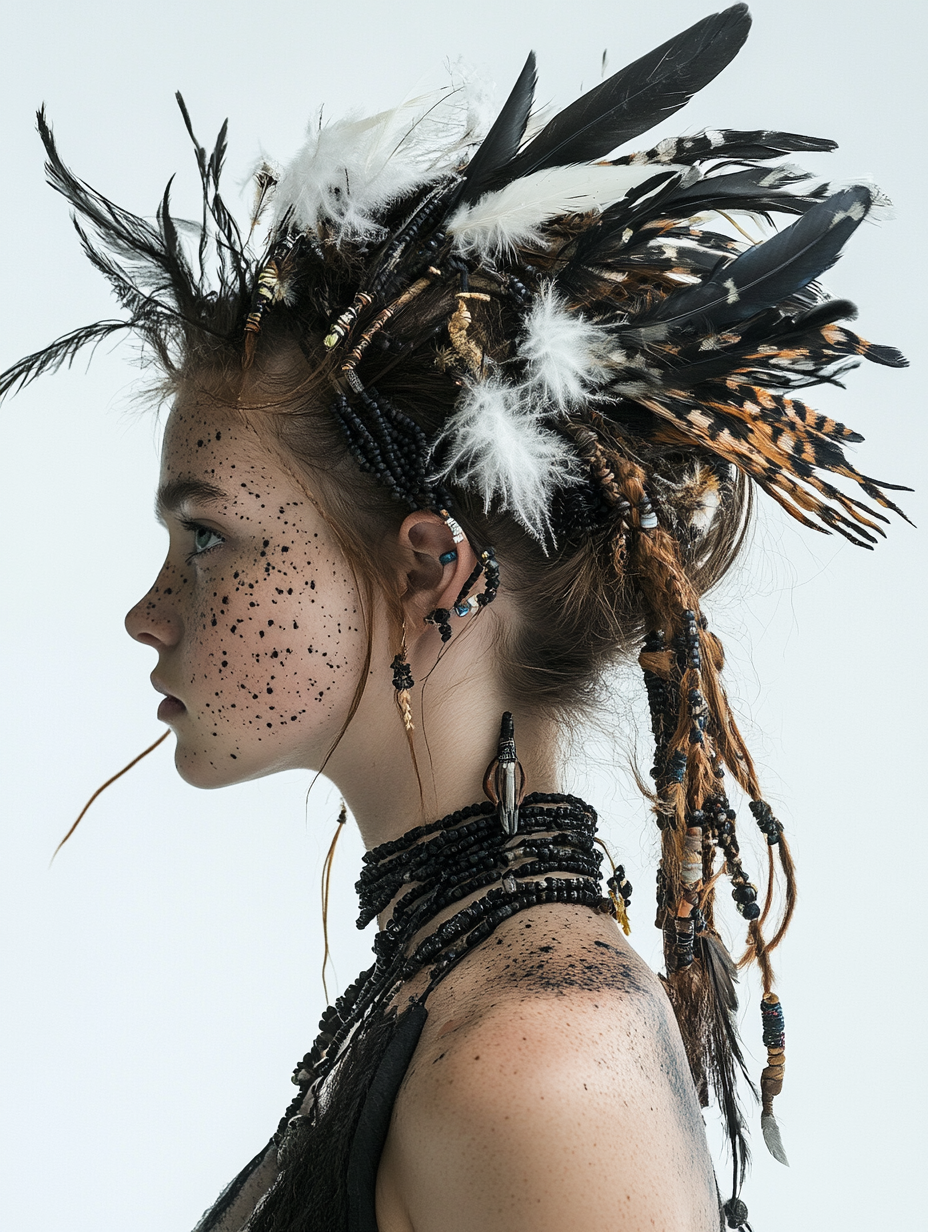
(457, 533)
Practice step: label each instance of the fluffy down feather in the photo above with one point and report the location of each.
(513, 216)
(563, 351)
(496, 445)
(351, 169)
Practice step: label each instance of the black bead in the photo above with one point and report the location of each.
(735, 1212)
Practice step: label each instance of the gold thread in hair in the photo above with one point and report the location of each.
(326, 886)
(135, 760)
(402, 697)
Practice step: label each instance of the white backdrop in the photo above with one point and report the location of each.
(162, 977)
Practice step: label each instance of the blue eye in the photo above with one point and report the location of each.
(204, 539)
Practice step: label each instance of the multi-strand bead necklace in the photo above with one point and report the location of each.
(552, 858)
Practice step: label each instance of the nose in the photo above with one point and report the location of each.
(155, 620)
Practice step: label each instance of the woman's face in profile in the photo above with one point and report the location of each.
(254, 613)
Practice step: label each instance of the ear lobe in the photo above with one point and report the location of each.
(424, 537)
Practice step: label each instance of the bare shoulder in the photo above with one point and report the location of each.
(549, 1090)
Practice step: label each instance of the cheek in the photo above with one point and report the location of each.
(276, 645)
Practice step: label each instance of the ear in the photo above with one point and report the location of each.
(427, 582)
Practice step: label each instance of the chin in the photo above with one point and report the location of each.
(204, 769)
(211, 767)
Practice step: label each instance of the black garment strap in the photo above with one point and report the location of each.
(374, 1121)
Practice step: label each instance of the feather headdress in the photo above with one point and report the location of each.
(613, 347)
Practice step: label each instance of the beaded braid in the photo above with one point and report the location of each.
(696, 739)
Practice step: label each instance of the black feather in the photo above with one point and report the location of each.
(761, 190)
(826, 314)
(730, 143)
(765, 274)
(637, 97)
(668, 194)
(233, 271)
(502, 142)
(725, 1058)
(772, 329)
(642, 202)
(124, 233)
(62, 351)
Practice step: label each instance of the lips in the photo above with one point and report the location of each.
(172, 707)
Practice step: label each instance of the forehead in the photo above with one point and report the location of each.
(215, 460)
(213, 444)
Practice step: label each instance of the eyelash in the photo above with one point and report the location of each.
(194, 527)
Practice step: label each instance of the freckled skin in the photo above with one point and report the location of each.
(259, 635)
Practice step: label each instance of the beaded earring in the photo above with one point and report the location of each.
(464, 604)
(402, 683)
(441, 616)
(499, 782)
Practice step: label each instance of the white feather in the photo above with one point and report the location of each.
(348, 170)
(497, 446)
(565, 354)
(514, 215)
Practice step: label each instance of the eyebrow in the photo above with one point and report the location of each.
(171, 496)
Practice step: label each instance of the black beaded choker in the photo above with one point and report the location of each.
(444, 862)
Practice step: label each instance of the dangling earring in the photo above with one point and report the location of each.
(442, 618)
(504, 770)
(441, 615)
(402, 683)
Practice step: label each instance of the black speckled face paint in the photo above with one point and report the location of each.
(254, 614)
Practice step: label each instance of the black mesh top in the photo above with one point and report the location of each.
(333, 1189)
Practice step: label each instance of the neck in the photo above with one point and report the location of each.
(457, 703)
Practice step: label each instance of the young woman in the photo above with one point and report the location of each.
(479, 418)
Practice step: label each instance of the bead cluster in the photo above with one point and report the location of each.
(766, 822)
(488, 565)
(720, 820)
(553, 858)
(390, 446)
(402, 674)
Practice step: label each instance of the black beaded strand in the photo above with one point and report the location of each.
(444, 862)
